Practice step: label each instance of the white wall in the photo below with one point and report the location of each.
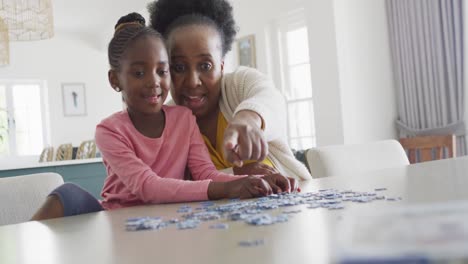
(350, 63)
(66, 58)
(366, 80)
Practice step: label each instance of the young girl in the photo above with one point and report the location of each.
(148, 147)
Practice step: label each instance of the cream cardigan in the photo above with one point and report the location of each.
(248, 89)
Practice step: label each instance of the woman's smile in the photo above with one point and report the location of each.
(194, 102)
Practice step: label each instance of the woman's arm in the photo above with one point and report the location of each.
(249, 89)
(223, 185)
(230, 186)
(199, 162)
(259, 117)
(244, 139)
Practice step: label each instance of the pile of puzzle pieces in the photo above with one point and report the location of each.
(256, 212)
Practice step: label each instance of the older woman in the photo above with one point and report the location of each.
(240, 114)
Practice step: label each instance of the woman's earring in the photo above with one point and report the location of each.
(117, 89)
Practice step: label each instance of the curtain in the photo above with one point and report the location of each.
(426, 40)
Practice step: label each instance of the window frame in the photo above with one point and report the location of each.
(280, 27)
(9, 84)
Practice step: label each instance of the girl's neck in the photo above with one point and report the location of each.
(150, 125)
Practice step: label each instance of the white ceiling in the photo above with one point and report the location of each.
(93, 15)
(93, 21)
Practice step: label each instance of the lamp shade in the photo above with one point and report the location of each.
(4, 44)
(28, 19)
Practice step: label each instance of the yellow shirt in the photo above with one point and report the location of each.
(216, 154)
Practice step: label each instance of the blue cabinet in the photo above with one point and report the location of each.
(89, 176)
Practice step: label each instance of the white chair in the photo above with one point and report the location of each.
(358, 158)
(21, 196)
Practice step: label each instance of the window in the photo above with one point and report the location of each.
(296, 81)
(22, 125)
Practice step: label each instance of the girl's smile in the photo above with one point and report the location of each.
(154, 98)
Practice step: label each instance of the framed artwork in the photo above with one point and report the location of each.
(246, 48)
(74, 99)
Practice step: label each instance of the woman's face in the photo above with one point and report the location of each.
(196, 68)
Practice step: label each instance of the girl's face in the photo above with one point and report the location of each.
(196, 68)
(144, 75)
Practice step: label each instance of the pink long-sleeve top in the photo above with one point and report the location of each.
(143, 170)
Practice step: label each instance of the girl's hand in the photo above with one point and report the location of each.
(244, 139)
(280, 183)
(248, 187)
(254, 168)
(245, 187)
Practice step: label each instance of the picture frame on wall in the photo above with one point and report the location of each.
(74, 99)
(246, 49)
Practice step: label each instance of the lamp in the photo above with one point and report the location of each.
(28, 19)
(4, 45)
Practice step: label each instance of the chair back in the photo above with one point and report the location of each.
(21, 196)
(356, 158)
(426, 148)
(47, 154)
(64, 152)
(87, 150)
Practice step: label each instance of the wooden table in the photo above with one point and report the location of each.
(305, 238)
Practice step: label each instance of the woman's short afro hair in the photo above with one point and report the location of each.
(164, 12)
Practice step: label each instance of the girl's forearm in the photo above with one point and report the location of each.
(216, 190)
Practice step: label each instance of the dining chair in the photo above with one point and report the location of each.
(21, 196)
(47, 154)
(64, 152)
(355, 158)
(427, 148)
(87, 150)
